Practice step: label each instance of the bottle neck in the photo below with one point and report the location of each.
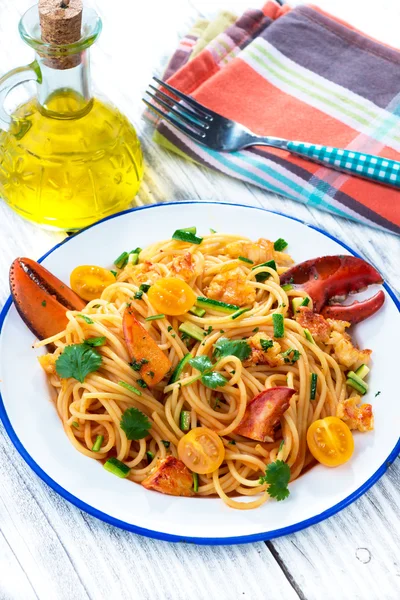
(65, 93)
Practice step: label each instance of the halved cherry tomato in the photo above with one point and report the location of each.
(171, 296)
(330, 441)
(201, 450)
(89, 281)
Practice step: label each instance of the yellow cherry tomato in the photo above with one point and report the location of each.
(201, 450)
(89, 281)
(330, 441)
(171, 296)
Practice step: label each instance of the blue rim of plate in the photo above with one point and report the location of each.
(245, 539)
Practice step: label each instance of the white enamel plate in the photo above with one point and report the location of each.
(35, 429)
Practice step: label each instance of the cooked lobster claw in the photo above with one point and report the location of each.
(329, 277)
(41, 298)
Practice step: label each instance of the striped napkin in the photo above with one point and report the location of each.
(299, 74)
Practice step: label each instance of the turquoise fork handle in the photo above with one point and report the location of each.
(376, 168)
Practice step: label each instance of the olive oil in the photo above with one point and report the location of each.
(67, 159)
(66, 167)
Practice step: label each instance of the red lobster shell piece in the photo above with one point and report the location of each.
(263, 413)
(41, 298)
(329, 277)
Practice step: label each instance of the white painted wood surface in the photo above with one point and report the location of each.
(49, 550)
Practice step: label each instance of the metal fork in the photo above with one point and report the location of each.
(219, 133)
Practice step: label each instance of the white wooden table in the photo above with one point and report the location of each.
(49, 549)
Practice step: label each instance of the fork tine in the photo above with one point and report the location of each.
(176, 123)
(191, 120)
(185, 109)
(191, 101)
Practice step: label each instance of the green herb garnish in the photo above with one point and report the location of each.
(136, 365)
(135, 424)
(138, 295)
(155, 317)
(277, 476)
(144, 287)
(44, 303)
(291, 355)
(121, 261)
(129, 387)
(225, 347)
(266, 344)
(77, 361)
(280, 244)
(187, 235)
(209, 378)
(142, 382)
(97, 445)
(246, 260)
(95, 341)
(166, 443)
(87, 320)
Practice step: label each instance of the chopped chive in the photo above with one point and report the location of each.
(280, 244)
(313, 387)
(138, 295)
(86, 319)
(75, 424)
(279, 325)
(121, 261)
(94, 342)
(184, 420)
(116, 467)
(150, 455)
(261, 277)
(212, 230)
(144, 287)
(195, 482)
(129, 387)
(155, 317)
(287, 287)
(238, 313)
(166, 443)
(281, 445)
(97, 445)
(136, 251)
(142, 383)
(232, 442)
(114, 273)
(256, 329)
(246, 260)
(187, 235)
(309, 336)
(196, 310)
(306, 301)
(133, 259)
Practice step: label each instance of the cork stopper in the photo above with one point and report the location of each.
(60, 22)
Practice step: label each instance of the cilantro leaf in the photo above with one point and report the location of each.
(77, 361)
(266, 344)
(277, 476)
(291, 355)
(87, 320)
(213, 380)
(95, 341)
(225, 347)
(135, 424)
(201, 363)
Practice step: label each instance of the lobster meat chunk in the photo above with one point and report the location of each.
(263, 414)
(171, 477)
(329, 277)
(40, 298)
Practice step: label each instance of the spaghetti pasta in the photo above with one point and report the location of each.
(214, 269)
